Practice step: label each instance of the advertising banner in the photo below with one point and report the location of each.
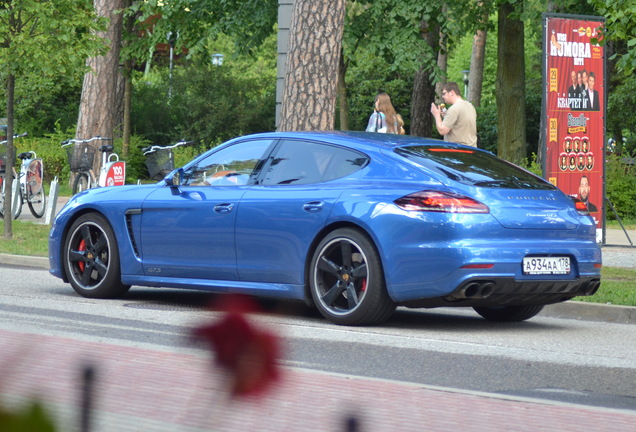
(574, 110)
(115, 174)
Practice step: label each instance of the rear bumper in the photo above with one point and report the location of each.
(506, 291)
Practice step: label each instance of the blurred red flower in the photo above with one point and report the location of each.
(248, 354)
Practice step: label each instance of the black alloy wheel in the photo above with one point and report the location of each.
(347, 280)
(91, 258)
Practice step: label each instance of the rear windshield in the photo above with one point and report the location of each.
(473, 167)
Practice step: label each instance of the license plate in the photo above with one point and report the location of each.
(546, 265)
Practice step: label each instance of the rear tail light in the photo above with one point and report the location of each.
(580, 207)
(443, 202)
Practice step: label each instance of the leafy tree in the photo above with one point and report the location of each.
(30, 31)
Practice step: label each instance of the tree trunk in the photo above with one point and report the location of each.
(9, 161)
(311, 78)
(476, 76)
(477, 57)
(343, 102)
(424, 90)
(510, 87)
(128, 68)
(99, 105)
(442, 63)
(442, 56)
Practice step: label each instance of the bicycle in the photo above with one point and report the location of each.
(30, 178)
(160, 159)
(112, 171)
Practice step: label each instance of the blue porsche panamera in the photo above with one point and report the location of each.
(352, 223)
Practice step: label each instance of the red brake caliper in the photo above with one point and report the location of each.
(82, 247)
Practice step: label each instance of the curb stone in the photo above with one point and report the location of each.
(25, 261)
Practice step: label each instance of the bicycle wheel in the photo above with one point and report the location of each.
(37, 202)
(81, 183)
(35, 196)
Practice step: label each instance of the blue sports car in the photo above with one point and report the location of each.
(352, 223)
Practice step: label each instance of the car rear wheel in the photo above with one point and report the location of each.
(91, 258)
(509, 313)
(347, 280)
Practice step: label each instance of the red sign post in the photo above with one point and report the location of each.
(574, 110)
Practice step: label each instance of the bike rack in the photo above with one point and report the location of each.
(52, 204)
(15, 195)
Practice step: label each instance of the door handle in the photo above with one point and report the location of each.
(223, 208)
(313, 206)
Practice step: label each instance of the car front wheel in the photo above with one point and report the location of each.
(347, 280)
(91, 258)
(509, 313)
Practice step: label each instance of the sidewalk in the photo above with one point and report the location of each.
(180, 391)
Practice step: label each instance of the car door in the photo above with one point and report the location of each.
(188, 231)
(280, 215)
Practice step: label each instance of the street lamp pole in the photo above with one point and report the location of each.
(466, 74)
(217, 59)
(172, 39)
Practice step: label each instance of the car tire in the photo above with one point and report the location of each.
(91, 258)
(509, 313)
(347, 280)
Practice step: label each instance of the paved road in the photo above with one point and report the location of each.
(424, 370)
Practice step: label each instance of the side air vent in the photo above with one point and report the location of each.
(131, 233)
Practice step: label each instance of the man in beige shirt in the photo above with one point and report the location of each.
(459, 124)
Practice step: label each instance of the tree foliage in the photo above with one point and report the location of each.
(47, 39)
(620, 29)
(30, 31)
(193, 23)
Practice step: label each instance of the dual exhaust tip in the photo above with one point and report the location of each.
(474, 290)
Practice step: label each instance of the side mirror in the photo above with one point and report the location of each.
(175, 178)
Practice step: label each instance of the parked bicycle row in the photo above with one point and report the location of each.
(28, 183)
(81, 153)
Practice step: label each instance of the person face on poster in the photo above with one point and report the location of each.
(585, 145)
(584, 194)
(594, 103)
(584, 79)
(590, 161)
(573, 90)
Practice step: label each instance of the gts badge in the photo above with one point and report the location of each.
(154, 270)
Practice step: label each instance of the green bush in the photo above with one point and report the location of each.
(620, 186)
(204, 104)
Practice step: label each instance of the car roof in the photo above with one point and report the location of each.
(355, 139)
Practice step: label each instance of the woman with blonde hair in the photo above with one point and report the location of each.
(384, 119)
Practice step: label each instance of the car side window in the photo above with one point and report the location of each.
(300, 162)
(235, 165)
